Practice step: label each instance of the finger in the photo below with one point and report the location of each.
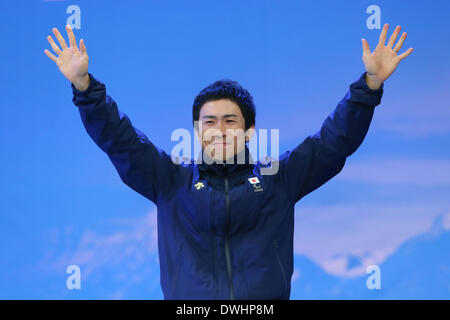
(366, 48)
(405, 54)
(393, 37)
(50, 55)
(383, 33)
(399, 44)
(83, 47)
(54, 46)
(72, 41)
(61, 40)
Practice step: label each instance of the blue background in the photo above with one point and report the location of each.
(63, 203)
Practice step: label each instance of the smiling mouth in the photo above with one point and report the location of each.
(222, 144)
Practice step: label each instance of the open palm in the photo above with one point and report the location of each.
(72, 62)
(384, 60)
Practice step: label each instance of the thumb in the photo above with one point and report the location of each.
(365, 45)
(83, 47)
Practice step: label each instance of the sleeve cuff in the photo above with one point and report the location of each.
(366, 87)
(360, 93)
(92, 83)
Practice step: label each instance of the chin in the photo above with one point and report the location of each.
(227, 153)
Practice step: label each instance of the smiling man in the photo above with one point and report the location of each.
(223, 115)
(225, 230)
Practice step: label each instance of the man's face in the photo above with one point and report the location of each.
(222, 129)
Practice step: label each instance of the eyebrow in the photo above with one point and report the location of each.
(228, 115)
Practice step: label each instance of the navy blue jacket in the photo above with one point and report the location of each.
(219, 235)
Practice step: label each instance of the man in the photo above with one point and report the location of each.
(225, 231)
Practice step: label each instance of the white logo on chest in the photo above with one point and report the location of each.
(256, 184)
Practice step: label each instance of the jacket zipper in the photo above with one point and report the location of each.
(227, 240)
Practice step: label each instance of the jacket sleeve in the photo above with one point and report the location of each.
(322, 156)
(143, 167)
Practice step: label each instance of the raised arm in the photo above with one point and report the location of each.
(322, 156)
(145, 168)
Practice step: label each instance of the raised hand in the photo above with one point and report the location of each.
(384, 60)
(72, 62)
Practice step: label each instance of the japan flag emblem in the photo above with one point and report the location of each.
(256, 185)
(253, 180)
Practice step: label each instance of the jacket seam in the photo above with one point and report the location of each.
(281, 265)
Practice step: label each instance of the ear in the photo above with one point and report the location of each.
(249, 133)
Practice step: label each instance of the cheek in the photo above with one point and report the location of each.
(206, 136)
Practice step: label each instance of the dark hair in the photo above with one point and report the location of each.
(226, 89)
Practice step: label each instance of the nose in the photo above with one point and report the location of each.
(222, 128)
(220, 131)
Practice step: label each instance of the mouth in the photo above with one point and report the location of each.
(221, 143)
